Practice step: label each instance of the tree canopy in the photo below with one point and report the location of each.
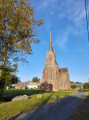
(35, 79)
(17, 29)
(13, 79)
(86, 86)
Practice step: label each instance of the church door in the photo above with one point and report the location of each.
(50, 87)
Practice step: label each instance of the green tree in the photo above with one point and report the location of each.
(71, 82)
(14, 79)
(86, 86)
(17, 32)
(5, 77)
(35, 79)
(73, 86)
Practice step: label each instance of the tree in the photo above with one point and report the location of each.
(35, 79)
(12, 79)
(71, 82)
(5, 77)
(17, 31)
(73, 86)
(86, 86)
(15, 79)
(78, 82)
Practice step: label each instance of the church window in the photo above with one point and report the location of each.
(50, 75)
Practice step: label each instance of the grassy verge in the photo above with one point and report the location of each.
(83, 110)
(12, 108)
(9, 94)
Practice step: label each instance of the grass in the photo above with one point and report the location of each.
(83, 110)
(12, 108)
(9, 94)
(88, 95)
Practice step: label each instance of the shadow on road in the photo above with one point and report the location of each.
(43, 103)
(60, 109)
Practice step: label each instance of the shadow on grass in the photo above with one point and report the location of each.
(43, 103)
(8, 95)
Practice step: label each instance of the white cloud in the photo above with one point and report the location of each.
(62, 41)
(47, 3)
(71, 11)
(62, 38)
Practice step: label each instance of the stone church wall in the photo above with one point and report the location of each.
(52, 74)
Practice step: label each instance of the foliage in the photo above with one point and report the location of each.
(78, 82)
(17, 29)
(17, 32)
(5, 77)
(15, 79)
(12, 79)
(73, 86)
(71, 82)
(86, 86)
(35, 79)
(7, 111)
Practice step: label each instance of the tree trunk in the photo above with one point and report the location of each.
(3, 70)
(2, 83)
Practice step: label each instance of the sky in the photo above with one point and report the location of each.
(67, 20)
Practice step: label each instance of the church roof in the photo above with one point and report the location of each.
(50, 42)
(63, 69)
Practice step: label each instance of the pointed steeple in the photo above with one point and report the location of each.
(50, 42)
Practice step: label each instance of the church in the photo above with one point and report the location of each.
(52, 75)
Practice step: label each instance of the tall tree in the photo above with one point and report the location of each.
(14, 79)
(35, 79)
(17, 30)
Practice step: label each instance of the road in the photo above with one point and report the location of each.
(61, 109)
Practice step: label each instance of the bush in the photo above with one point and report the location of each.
(73, 86)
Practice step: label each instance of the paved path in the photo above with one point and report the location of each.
(61, 109)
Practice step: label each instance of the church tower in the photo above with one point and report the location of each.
(51, 73)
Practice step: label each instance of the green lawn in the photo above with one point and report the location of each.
(12, 108)
(9, 94)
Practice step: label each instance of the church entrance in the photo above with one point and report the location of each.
(50, 87)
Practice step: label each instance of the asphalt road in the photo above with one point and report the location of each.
(61, 109)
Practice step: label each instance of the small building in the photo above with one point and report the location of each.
(20, 85)
(31, 85)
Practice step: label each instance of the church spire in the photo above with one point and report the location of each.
(50, 42)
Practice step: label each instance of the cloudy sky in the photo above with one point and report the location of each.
(69, 35)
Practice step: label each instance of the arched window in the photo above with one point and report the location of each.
(50, 75)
